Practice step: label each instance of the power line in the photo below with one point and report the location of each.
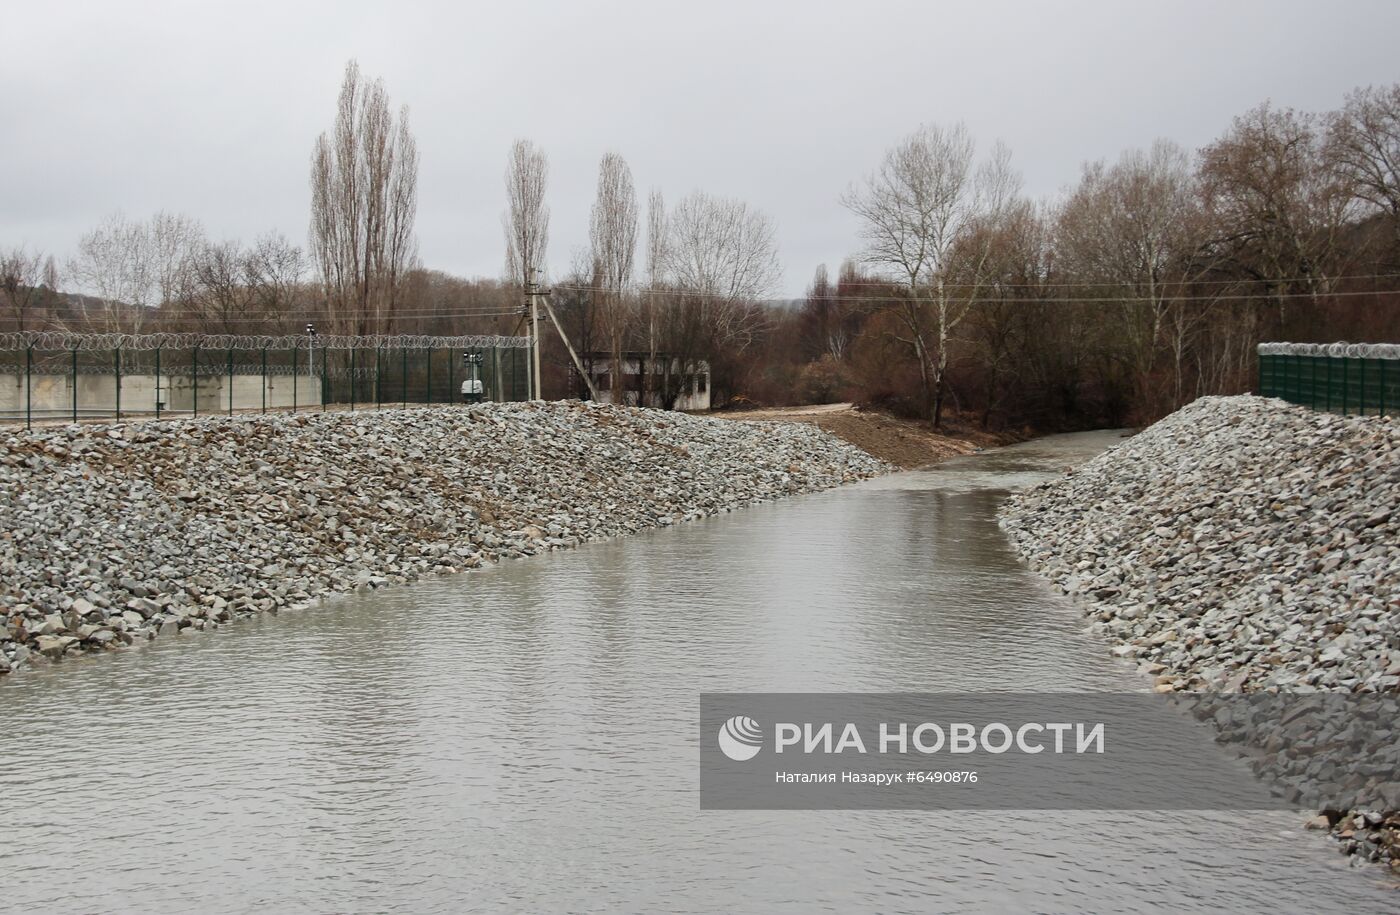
(187, 314)
(1088, 285)
(444, 308)
(987, 296)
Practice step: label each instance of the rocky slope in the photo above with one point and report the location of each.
(111, 534)
(1240, 544)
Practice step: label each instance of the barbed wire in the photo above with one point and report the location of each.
(59, 367)
(1335, 350)
(63, 340)
(212, 370)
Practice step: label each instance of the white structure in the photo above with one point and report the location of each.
(694, 386)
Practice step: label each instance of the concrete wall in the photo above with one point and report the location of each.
(97, 394)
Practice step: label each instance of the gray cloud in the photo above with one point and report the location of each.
(211, 109)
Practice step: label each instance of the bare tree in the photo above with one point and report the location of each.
(1278, 208)
(917, 207)
(273, 269)
(27, 281)
(656, 272)
(219, 300)
(364, 200)
(133, 268)
(526, 219)
(822, 333)
(613, 237)
(1018, 273)
(174, 241)
(1363, 144)
(724, 253)
(526, 223)
(111, 266)
(720, 259)
(1133, 230)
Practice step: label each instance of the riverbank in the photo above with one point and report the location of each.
(112, 534)
(1239, 545)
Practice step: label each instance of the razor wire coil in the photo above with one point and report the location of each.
(1333, 350)
(66, 341)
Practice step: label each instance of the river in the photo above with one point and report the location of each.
(523, 738)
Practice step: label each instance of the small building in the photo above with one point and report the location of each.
(666, 380)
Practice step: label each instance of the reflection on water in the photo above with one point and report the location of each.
(523, 738)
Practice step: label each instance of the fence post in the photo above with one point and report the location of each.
(1381, 365)
(1361, 387)
(325, 351)
(378, 390)
(430, 376)
(1344, 385)
(451, 377)
(230, 381)
(296, 379)
(1329, 384)
(74, 382)
(264, 379)
(29, 386)
(352, 379)
(117, 356)
(404, 375)
(194, 380)
(158, 382)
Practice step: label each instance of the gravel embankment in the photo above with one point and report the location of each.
(1239, 545)
(112, 534)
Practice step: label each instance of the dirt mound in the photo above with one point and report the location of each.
(901, 442)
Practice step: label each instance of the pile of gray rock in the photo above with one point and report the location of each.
(1240, 544)
(111, 534)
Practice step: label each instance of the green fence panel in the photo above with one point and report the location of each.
(48, 377)
(1347, 378)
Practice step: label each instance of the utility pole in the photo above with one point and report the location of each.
(532, 290)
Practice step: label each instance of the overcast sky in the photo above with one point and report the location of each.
(211, 109)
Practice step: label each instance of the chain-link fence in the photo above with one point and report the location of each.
(1359, 378)
(47, 377)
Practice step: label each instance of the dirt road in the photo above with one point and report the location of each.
(902, 442)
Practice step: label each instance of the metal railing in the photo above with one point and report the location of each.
(47, 377)
(1347, 378)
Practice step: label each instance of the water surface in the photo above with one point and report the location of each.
(523, 739)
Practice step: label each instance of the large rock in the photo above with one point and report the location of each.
(53, 646)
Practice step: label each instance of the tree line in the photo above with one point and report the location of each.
(1145, 284)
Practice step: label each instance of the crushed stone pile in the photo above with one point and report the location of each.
(1239, 545)
(110, 534)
